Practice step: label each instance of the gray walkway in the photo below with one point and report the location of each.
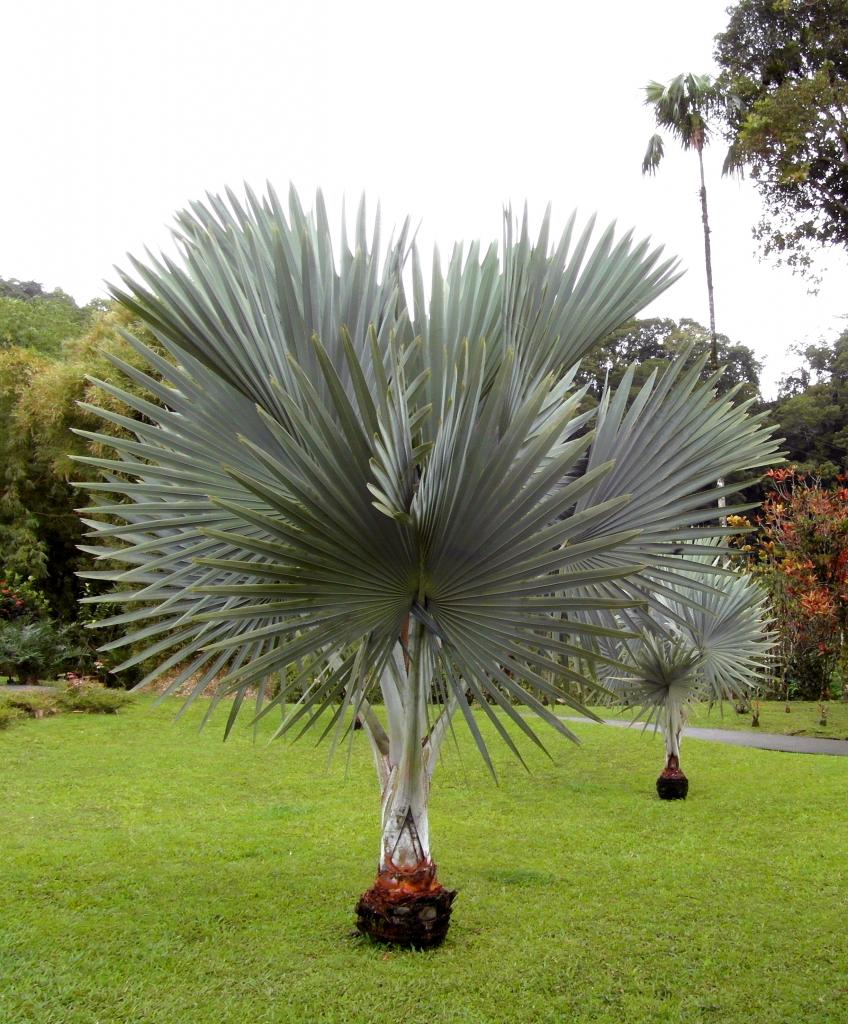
(15, 688)
(739, 738)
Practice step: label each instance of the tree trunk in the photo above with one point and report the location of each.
(407, 905)
(672, 783)
(708, 262)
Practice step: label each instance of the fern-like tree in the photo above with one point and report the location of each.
(392, 495)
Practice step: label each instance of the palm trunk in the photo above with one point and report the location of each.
(672, 783)
(407, 905)
(708, 263)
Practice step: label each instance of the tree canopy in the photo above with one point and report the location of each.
(650, 343)
(40, 400)
(812, 408)
(786, 64)
(35, 319)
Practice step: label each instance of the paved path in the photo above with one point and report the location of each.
(15, 688)
(740, 738)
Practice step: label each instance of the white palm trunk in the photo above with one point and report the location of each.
(405, 755)
(673, 720)
(405, 838)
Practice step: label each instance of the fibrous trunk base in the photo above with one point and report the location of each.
(672, 783)
(406, 908)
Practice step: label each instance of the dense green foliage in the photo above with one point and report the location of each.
(31, 650)
(39, 320)
(785, 63)
(650, 344)
(39, 407)
(812, 409)
(40, 530)
(126, 898)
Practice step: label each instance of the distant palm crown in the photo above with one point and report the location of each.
(337, 453)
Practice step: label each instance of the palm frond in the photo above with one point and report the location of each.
(369, 495)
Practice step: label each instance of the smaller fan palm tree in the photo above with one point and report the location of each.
(711, 642)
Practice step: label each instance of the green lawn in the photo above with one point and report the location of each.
(154, 874)
(802, 719)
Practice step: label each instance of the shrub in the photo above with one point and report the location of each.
(93, 700)
(804, 564)
(8, 714)
(33, 705)
(31, 651)
(20, 598)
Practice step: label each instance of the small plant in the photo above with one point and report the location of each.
(80, 696)
(755, 715)
(93, 700)
(32, 651)
(33, 705)
(822, 713)
(8, 714)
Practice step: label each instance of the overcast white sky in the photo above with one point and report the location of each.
(119, 113)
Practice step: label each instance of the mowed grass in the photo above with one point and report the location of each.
(152, 873)
(803, 718)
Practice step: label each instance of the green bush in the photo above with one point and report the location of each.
(31, 651)
(90, 700)
(34, 705)
(93, 700)
(8, 714)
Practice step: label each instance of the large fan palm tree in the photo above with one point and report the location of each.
(682, 107)
(393, 498)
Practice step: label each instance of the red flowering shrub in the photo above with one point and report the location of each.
(19, 598)
(803, 558)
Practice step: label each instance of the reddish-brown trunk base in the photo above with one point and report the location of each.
(672, 783)
(406, 908)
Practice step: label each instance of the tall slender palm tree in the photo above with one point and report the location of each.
(393, 498)
(682, 108)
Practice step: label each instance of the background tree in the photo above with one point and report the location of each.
(811, 409)
(651, 343)
(787, 64)
(39, 320)
(42, 399)
(682, 107)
